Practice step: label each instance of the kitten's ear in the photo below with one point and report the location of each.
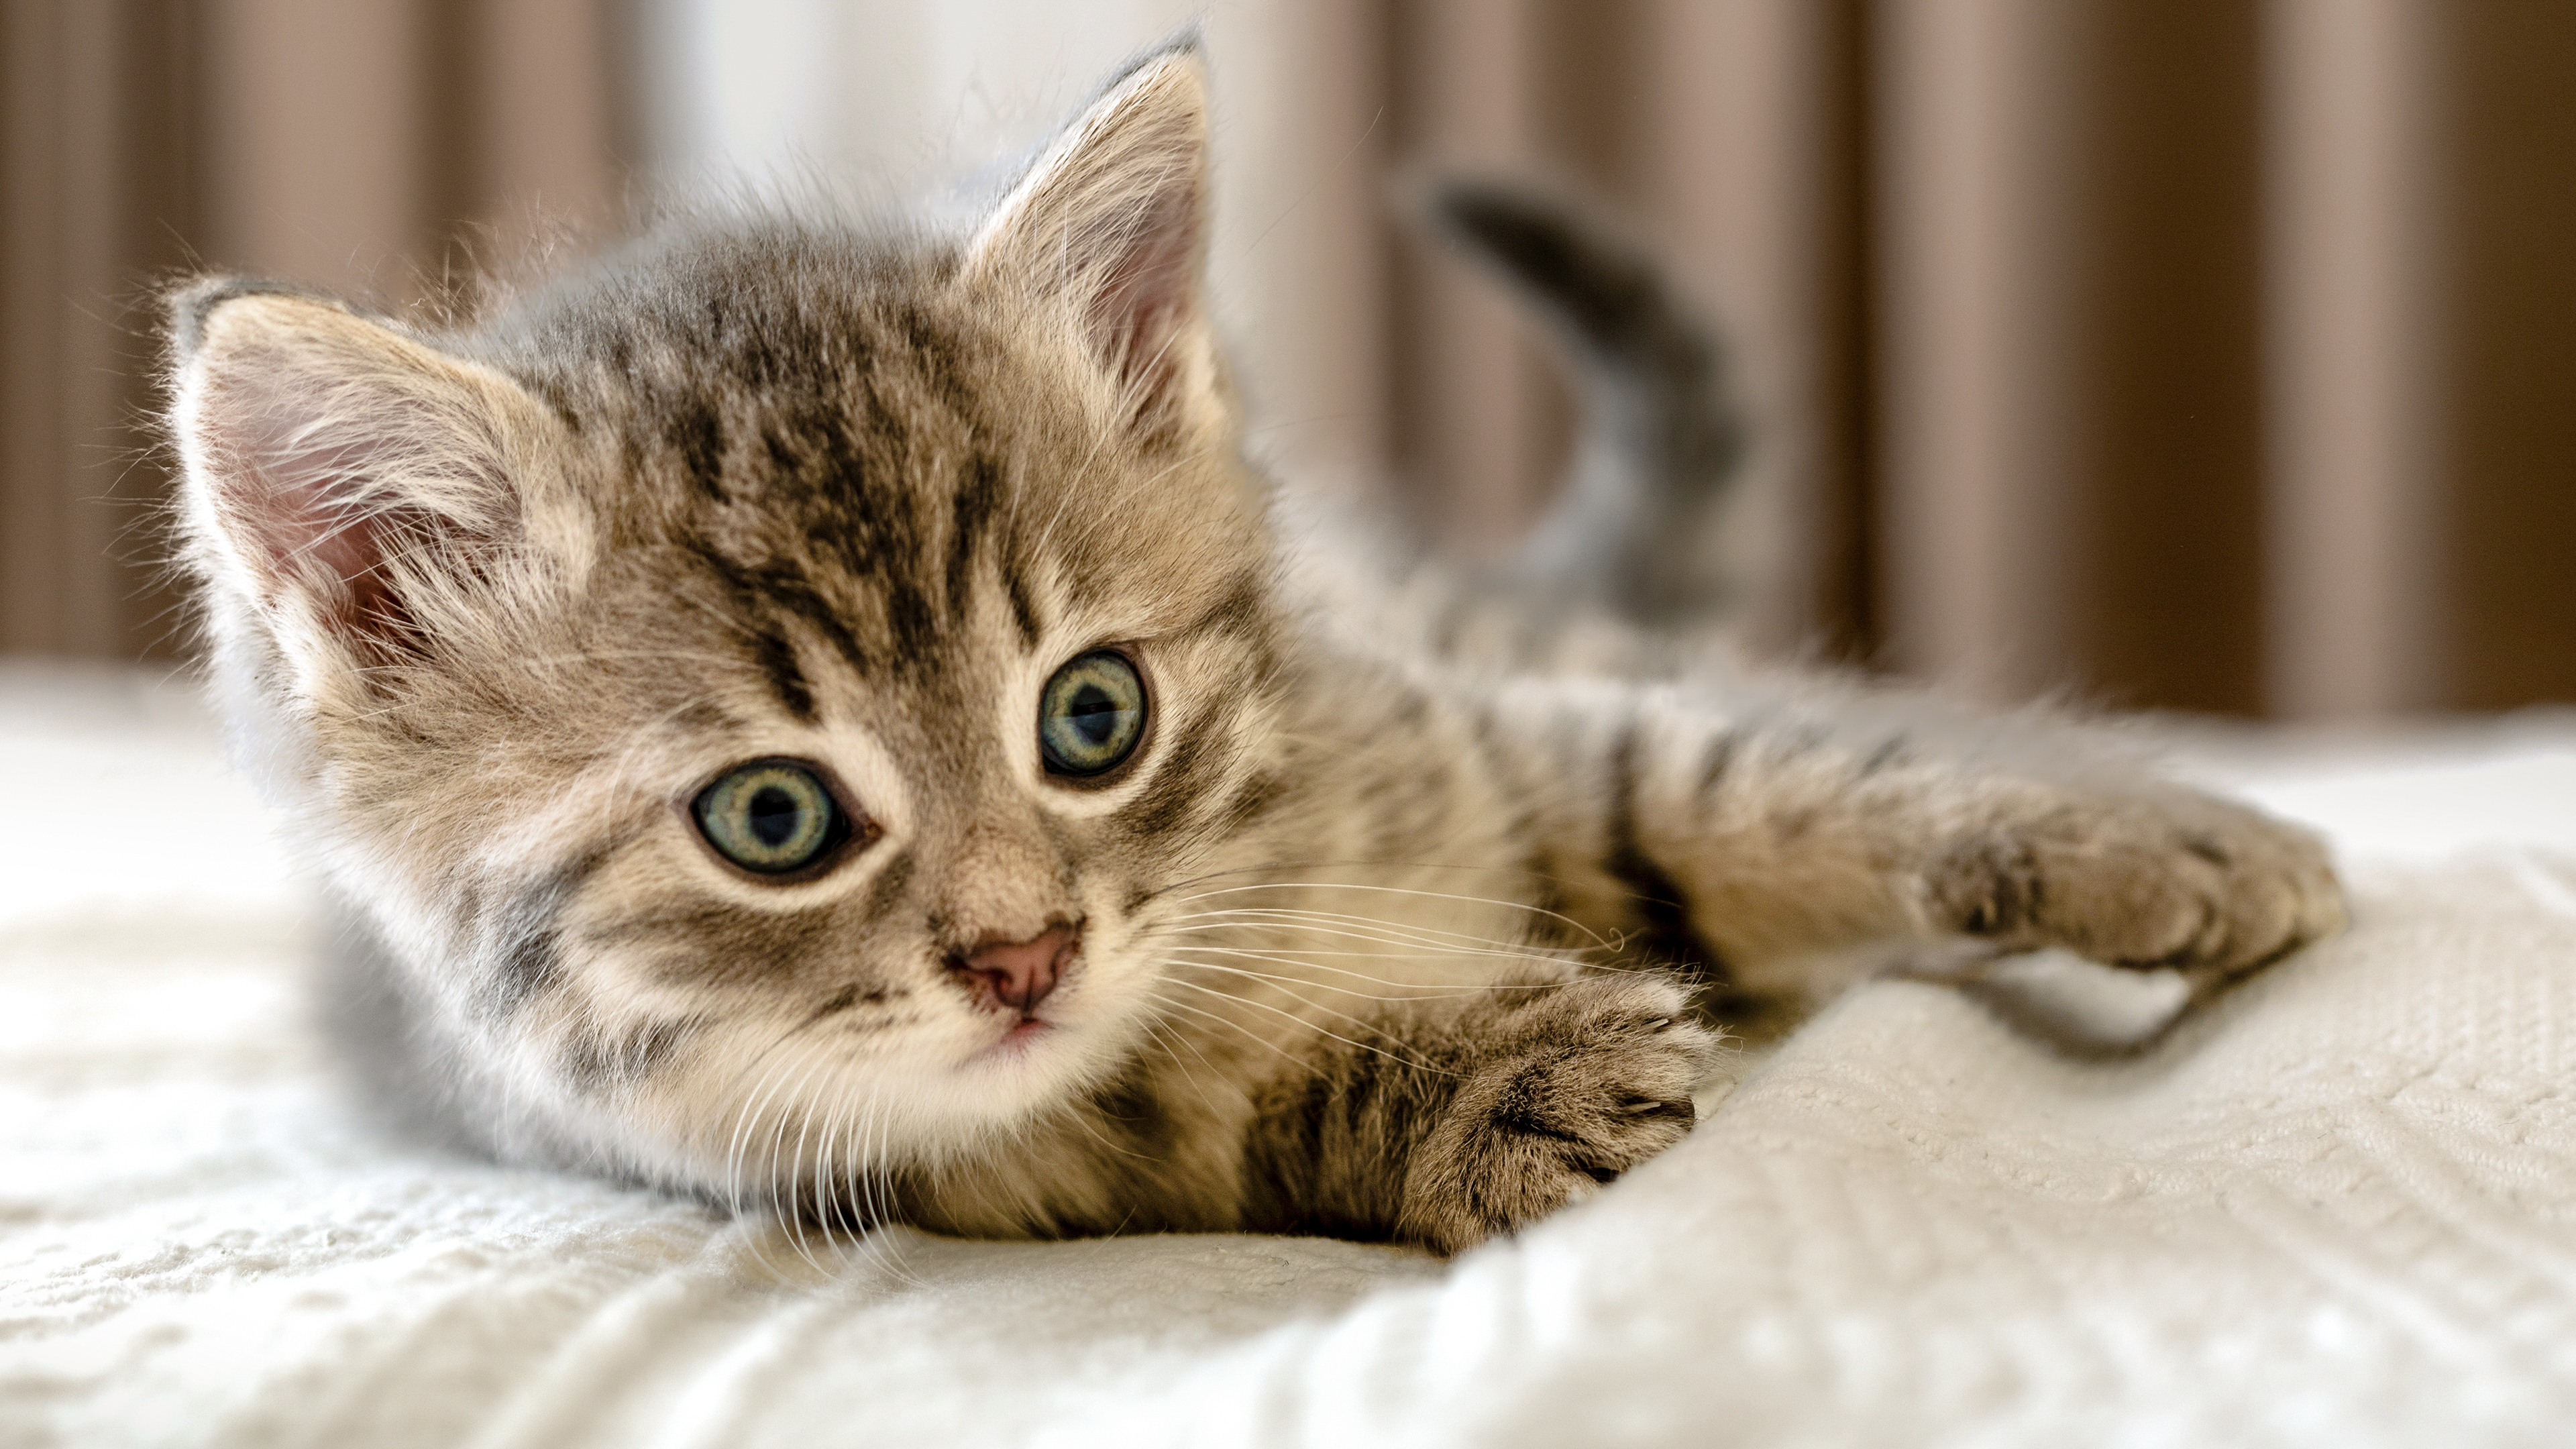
(347, 482)
(1113, 219)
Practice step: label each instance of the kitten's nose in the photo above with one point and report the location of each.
(1019, 974)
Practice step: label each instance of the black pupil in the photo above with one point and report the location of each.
(1094, 713)
(774, 815)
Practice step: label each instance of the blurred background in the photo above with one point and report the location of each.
(2215, 355)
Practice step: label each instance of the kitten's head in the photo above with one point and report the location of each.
(775, 677)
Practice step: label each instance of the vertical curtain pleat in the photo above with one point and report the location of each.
(96, 202)
(2350, 358)
(317, 131)
(1300, 269)
(1476, 417)
(2505, 201)
(388, 150)
(2072, 265)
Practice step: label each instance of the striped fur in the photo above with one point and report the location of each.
(1359, 924)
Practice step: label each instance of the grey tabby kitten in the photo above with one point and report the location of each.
(820, 714)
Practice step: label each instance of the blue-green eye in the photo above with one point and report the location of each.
(771, 816)
(1092, 715)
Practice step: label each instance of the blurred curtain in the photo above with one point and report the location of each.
(366, 146)
(2208, 354)
(2190, 353)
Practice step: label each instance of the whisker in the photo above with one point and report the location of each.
(880, 1209)
(1237, 928)
(1425, 939)
(1082, 1119)
(748, 1117)
(1353, 930)
(1301, 1021)
(1229, 923)
(1560, 916)
(828, 1201)
(1273, 867)
(859, 1202)
(1226, 1021)
(1522, 906)
(796, 1171)
(1300, 998)
(1414, 993)
(1171, 1042)
(1318, 911)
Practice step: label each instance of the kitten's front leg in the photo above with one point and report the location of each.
(1812, 826)
(1457, 1126)
(2015, 841)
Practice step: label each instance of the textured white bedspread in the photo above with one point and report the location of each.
(2340, 1209)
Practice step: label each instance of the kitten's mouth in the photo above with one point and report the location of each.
(1017, 1040)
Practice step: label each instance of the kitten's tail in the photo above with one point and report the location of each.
(1636, 528)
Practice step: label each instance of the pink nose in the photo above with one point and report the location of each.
(1019, 974)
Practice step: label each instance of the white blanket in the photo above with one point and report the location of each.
(2339, 1209)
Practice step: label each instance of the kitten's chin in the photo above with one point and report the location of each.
(1033, 1064)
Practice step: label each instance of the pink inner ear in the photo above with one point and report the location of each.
(1146, 294)
(302, 510)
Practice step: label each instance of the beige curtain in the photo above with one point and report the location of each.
(369, 146)
(2210, 354)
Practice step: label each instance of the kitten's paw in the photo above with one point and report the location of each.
(2172, 879)
(1580, 1085)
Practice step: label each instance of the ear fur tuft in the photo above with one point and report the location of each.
(1113, 219)
(339, 474)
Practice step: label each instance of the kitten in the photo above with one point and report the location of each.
(819, 714)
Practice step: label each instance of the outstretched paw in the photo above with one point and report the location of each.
(2169, 879)
(1578, 1086)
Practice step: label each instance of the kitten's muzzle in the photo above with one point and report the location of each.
(1019, 974)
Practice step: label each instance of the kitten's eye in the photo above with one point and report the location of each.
(770, 816)
(1091, 715)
